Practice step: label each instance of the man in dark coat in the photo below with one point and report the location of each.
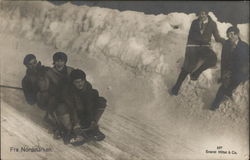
(87, 106)
(199, 56)
(29, 82)
(32, 87)
(234, 66)
(57, 78)
(59, 75)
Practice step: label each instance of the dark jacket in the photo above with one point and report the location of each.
(84, 101)
(235, 61)
(50, 86)
(58, 80)
(30, 82)
(196, 37)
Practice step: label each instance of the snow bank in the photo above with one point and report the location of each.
(145, 42)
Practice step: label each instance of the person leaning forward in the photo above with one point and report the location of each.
(199, 56)
(29, 82)
(234, 66)
(34, 86)
(86, 104)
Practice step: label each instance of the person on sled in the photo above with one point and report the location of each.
(86, 104)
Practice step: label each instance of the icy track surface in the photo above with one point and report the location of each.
(133, 60)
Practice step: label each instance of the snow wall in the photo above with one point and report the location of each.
(143, 42)
(139, 42)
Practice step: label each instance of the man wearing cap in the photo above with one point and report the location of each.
(29, 82)
(234, 66)
(59, 74)
(58, 78)
(86, 104)
(199, 56)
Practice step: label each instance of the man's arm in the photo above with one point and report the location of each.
(191, 33)
(28, 90)
(245, 58)
(225, 63)
(216, 34)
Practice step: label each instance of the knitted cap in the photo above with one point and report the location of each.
(77, 74)
(60, 55)
(28, 58)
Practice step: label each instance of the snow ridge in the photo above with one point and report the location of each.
(145, 42)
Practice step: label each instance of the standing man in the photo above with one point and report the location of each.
(234, 66)
(86, 103)
(199, 56)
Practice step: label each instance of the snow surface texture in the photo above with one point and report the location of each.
(133, 59)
